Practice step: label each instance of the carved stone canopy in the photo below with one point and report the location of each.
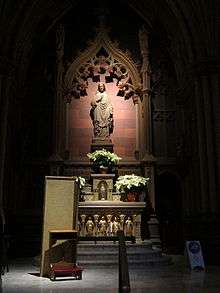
(102, 57)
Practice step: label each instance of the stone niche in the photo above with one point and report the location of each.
(102, 186)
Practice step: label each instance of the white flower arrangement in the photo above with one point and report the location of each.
(130, 182)
(81, 181)
(103, 158)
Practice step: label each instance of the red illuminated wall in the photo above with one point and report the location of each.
(81, 128)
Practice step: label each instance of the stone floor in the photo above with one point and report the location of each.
(176, 278)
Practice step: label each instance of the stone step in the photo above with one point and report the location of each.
(106, 254)
(162, 261)
(111, 246)
(107, 243)
(129, 253)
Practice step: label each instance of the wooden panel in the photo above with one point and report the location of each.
(60, 211)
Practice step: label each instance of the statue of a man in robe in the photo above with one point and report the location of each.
(102, 114)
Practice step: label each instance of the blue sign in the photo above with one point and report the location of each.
(194, 251)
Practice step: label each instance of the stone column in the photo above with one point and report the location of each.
(137, 227)
(59, 105)
(215, 82)
(67, 130)
(135, 99)
(201, 146)
(209, 128)
(7, 86)
(149, 173)
(207, 106)
(146, 135)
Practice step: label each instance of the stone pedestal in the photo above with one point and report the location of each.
(101, 144)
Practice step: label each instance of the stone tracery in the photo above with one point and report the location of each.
(102, 57)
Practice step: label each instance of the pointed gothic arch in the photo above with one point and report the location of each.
(119, 65)
(103, 58)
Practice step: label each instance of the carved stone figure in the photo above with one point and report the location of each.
(103, 190)
(89, 227)
(102, 114)
(129, 227)
(102, 226)
(115, 226)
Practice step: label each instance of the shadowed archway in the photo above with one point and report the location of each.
(169, 210)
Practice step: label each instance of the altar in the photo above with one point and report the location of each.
(103, 103)
(103, 211)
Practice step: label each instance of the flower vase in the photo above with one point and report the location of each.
(132, 196)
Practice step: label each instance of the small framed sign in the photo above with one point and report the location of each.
(195, 255)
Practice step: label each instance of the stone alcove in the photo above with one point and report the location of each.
(102, 61)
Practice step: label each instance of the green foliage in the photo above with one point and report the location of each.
(81, 181)
(131, 182)
(103, 158)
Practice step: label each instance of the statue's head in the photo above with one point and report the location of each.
(101, 87)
